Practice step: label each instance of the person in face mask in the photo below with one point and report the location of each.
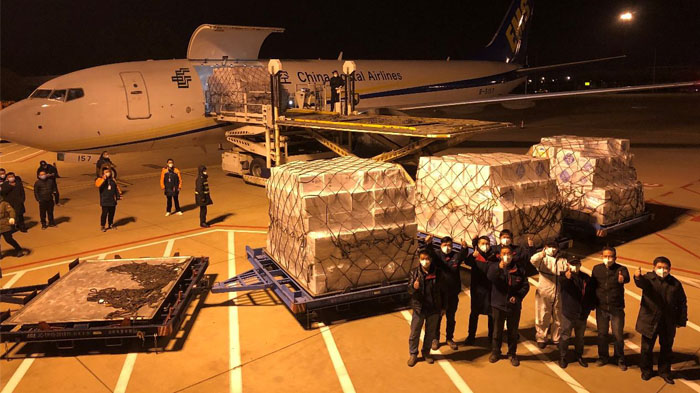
(609, 279)
(171, 184)
(425, 289)
(109, 195)
(547, 310)
(480, 287)
(447, 262)
(50, 172)
(508, 289)
(13, 192)
(3, 175)
(44, 191)
(7, 222)
(664, 307)
(201, 195)
(576, 303)
(521, 254)
(104, 161)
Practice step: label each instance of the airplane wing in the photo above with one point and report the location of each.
(563, 65)
(560, 94)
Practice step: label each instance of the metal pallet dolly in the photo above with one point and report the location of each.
(46, 315)
(267, 274)
(600, 231)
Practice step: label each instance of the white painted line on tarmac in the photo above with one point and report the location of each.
(134, 248)
(14, 151)
(445, 364)
(26, 363)
(234, 346)
(125, 374)
(12, 281)
(169, 248)
(30, 155)
(18, 375)
(566, 377)
(338, 364)
(102, 256)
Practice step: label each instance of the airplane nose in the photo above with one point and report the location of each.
(13, 122)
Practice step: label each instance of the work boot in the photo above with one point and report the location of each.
(103, 229)
(667, 378)
(582, 362)
(428, 358)
(621, 363)
(43, 226)
(469, 340)
(601, 362)
(563, 363)
(514, 361)
(435, 345)
(179, 213)
(21, 253)
(167, 214)
(204, 225)
(494, 357)
(646, 375)
(452, 344)
(541, 344)
(412, 360)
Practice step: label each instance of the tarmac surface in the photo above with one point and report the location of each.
(250, 342)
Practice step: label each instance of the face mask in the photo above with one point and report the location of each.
(661, 272)
(2, 176)
(11, 179)
(506, 258)
(484, 248)
(608, 261)
(106, 156)
(170, 165)
(204, 173)
(425, 263)
(574, 268)
(42, 177)
(446, 249)
(506, 241)
(108, 174)
(550, 252)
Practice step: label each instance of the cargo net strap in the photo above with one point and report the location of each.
(469, 195)
(342, 223)
(238, 89)
(596, 177)
(152, 278)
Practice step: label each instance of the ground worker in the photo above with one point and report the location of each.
(102, 162)
(521, 255)
(547, 309)
(336, 83)
(109, 195)
(664, 307)
(201, 195)
(425, 290)
(44, 191)
(12, 190)
(509, 287)
(577, 300)
(7, 222)
(609, 279)
(448, 262)
(51, 173)
(480, 287)
(171, 184)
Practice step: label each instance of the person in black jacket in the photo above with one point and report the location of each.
(51, 173)
(576, 304)
(480, 287)
(109, 195)
(336, 83)
(44, 191)
(521, 254)
(448, 262)
(201, 195)
(102, 162)
(13, 192)
(609, 279)
(664, 307)
(509, 287)
(425, 290)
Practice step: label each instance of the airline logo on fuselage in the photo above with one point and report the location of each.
(514, 32)
(181, 78)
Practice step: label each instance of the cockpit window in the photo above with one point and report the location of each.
(74, 94)
(58, 95)
(40, 93)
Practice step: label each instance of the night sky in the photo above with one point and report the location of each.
(53, 37)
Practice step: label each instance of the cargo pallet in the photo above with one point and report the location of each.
(267, 274)
(597, 230)
(165, 322)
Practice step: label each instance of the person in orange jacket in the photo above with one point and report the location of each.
(171, 184)
(109, 195)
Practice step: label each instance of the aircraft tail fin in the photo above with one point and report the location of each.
(508, 44)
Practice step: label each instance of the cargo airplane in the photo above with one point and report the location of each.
(144, 105)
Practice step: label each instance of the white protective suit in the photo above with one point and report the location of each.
(547, 307)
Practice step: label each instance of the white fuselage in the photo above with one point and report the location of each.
(138, 106)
